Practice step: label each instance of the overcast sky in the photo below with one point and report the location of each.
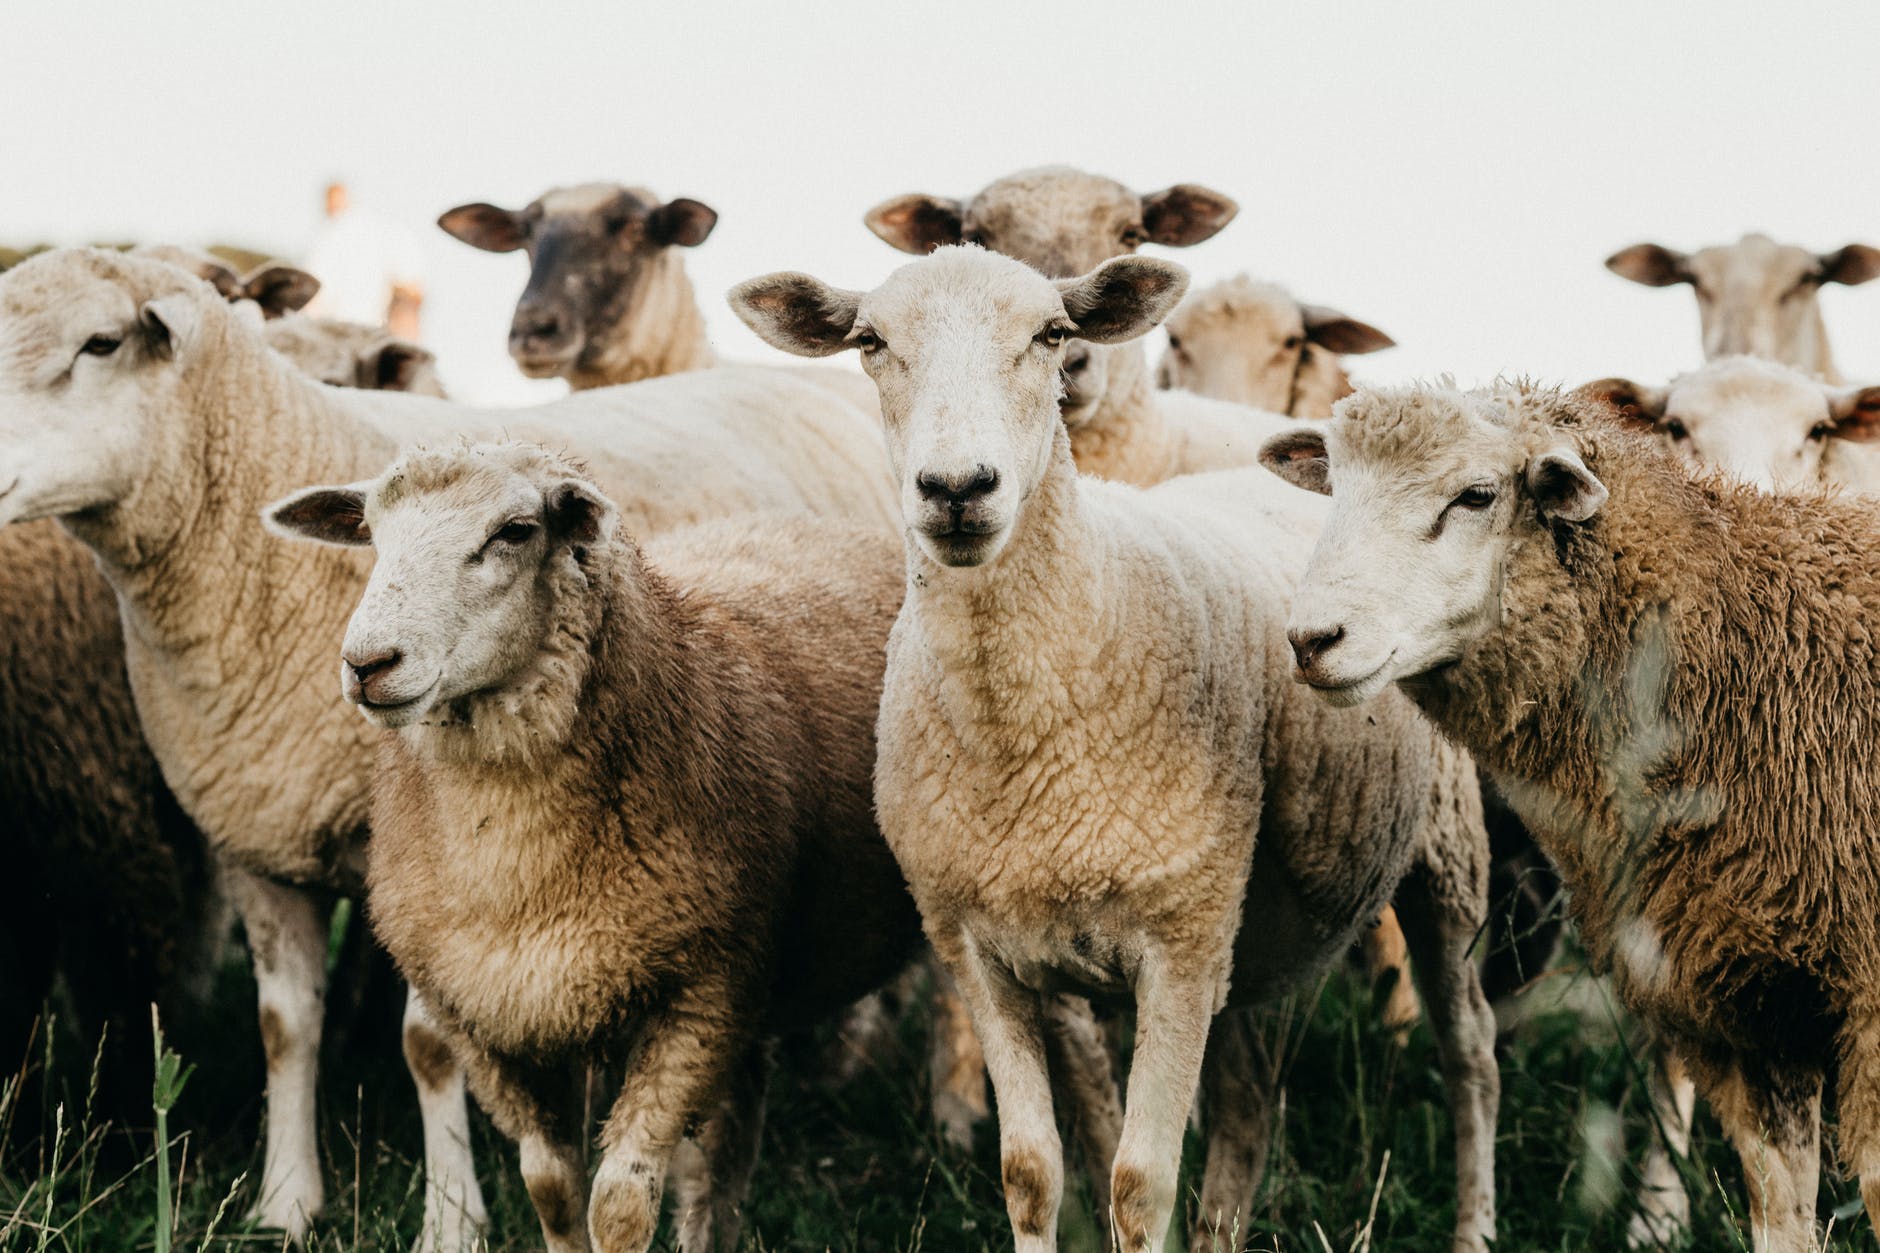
(1453, 173)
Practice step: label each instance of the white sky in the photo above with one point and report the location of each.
(1452, 172)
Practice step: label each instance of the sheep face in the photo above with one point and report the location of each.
(591, 249)
(348, 354)
(93, 349)
(965, 348)
(1253, 344)
(1061, 222)
(1430, 490)
(1763, 423)
(1754, 297)
(472, 545)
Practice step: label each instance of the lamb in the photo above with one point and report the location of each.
(1767, 424)
(608, 300)
(1756, 297)
(1252, 343)
(1673, 677)
(623, 810)
(1090, 757)
(153, 420)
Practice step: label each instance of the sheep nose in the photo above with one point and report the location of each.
(1076, 359)
(956, 491)
(1308, 646)
(363, 670)
(536, 325)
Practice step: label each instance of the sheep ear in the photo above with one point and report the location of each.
(326, 515)
(169, 325)
(1300, 458)
(918, 223)
(226, 282)
(1852, 265)
(1123, 297)
(280, 289)
(797, 313)
(1185, 214)
(1651, 264)
(1563, 487)
(485, 226)
(392, 366)
(1856, 414)
(577, 512)
(681, 223)
(1635, 405)
(1335, 332)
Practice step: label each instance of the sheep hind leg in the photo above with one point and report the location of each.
(286, 930)
(1772, 1114)
(1387, 966)
(712, 1177)
(1083, 1078)
(1441, 918)
(453, 1202)
(1237, 1110)
(957, 1064)
(1857, 1097)
(1663, 1207)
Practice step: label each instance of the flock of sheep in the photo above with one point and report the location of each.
(692, 712)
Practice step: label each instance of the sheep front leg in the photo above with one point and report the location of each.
(1772, 1114)
(1663, 1207)
(1237, 1110)
(1857, 1095)
(956, 1063)
(1173, 1012)
(538, 1107)
(1440, 919)
(680, 1070)
(453, 1202)
(286, 930)
(1008, 1018)
(713, 1178)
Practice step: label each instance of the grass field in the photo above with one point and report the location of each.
(858, 1168)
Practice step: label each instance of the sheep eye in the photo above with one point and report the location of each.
(101, 345)
(513, 533)
(866, 340)
(1676, 429)
(1821, 431)
(1134, 235)
(1293, 342)
(1474, 498)
(1053, 335)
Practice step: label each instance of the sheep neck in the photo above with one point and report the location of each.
(659, 332)
(1126, 437)
(1028, 624)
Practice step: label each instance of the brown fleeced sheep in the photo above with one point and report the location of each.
(1254, 343)
(1677, 683)
(1092, 762)
(624, 811)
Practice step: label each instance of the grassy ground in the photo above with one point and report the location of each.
(859, 1168)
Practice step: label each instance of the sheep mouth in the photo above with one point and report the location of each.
(395, 712)
(1350, 691)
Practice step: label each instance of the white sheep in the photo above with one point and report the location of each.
(154, 421)
(1253, 343)
(1756, 297)
(351, 354)
(1092, 765)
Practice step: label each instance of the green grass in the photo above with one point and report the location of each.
(858, 1168)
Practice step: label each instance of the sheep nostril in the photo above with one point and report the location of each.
(366, 668)
(1308, 646)
(956, 491)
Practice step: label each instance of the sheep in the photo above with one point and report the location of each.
(1756, 297)
(1672, 675)
(1767, 424)
(668, 752)
(350, 354)
(1252, 343)
(1091, 763)
(275, 290)
(608, 300)
(153, 420)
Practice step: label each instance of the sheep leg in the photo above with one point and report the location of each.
(286, 930)
(1857, 1096)
(1077, 1053)
(1387, 965)
(453, 1201)
(957, 1064)
(1441, 914)
(1772, 1114)
(1663, 1207)
(1173, 1012)
(684, 1061)
(1237, 1110)
(538, 1107)
(1009, 1021)
(711, 1186)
